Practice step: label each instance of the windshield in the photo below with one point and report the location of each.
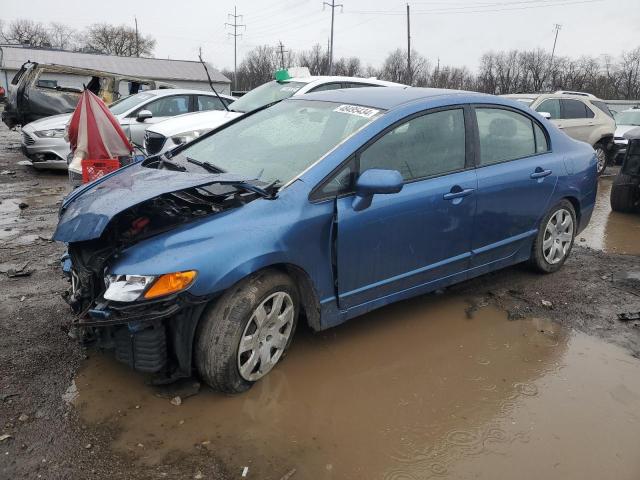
(628, 118)
(278, 143)
(127, 103)
(265, 94)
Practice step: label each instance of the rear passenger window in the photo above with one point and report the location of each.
(327, 86)
(504, 135)
(542, 145)
(206, 102)
(358, 85)
(573, 109)
(429, 145)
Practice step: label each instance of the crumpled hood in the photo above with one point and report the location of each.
(84, 215)
(193, 121)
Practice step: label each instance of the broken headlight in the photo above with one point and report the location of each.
(53, 133)
(128, 288)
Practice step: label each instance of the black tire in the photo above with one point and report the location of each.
(223, 324)
(625, 194)
(603, 161)
(537, 259)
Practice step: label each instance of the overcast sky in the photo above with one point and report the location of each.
(456, 31)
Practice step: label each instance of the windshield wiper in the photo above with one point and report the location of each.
(209, 167)
(263, 192)
(175, 166)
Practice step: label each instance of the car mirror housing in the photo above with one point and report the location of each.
(143, 115)
(375, 181)
(546, 115)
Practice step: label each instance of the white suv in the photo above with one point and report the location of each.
(581, 116)
(167, 135)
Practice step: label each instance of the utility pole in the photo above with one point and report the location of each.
(282, 52)
(235, 36)
(333, 11)
(557, 27)
(137, 41)
(409, 73)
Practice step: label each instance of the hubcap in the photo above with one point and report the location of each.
(558, 236)
(602, 159)
(265, 336)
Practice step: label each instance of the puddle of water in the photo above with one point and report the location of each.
(413, 391)
(610, 231)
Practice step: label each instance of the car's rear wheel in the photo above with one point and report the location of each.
(601, 156)
(625, 194)
(555, 238)
(244, 334)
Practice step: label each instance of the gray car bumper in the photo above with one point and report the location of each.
(46, 153)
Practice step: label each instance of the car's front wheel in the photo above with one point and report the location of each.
(555, 238)
(245, 333)
(601, 157)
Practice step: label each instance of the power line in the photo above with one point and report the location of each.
(333, 11)
(235, 36)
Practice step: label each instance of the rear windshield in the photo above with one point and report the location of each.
(602, 106)
(265, 94)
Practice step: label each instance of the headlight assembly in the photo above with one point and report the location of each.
(129, 288)
(53, 133)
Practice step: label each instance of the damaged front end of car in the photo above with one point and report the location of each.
(148, 319)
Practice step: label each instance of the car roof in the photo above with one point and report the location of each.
(338, 78)
(534, 96)
(384, 98)
(163, 92)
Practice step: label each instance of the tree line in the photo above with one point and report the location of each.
(97, 38)
(514, 71)
(501, 72)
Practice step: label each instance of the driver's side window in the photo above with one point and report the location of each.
(426, 146)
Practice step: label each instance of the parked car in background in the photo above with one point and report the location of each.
(625, 191)
(44, 144)
(322, 207)
(625, 121)
(580, 115)
(292, 82)
(37, 92)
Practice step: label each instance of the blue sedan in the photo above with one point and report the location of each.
(318, 209)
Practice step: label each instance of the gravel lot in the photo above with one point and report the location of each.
(38, 361)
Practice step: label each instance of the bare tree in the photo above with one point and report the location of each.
(26, 32)
(62, 36)
(117, 40)
(316, 60)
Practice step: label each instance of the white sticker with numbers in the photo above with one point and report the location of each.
(357, 110)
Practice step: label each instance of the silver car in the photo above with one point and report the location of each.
(43, 140)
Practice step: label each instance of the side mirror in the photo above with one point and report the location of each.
(375, 181)
(143, 115)
(546, 115)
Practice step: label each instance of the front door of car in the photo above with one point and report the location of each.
(421, 234)
(161, 109)
(517, 175)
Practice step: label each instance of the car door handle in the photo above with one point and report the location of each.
(457, 193)
(540, 173)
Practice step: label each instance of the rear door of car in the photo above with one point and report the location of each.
(408, 240)
(517, 175)
(577, 119)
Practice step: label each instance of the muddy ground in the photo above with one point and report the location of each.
(439, 386)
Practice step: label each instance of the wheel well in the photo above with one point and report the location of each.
(308, 297)
(605, 140)
(576, 207)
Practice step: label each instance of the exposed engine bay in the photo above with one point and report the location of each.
(143, 333)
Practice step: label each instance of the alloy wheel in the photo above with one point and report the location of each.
(266, 336)
(558, 236)
(601, 157)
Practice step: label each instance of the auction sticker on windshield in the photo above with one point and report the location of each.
(357, 110)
